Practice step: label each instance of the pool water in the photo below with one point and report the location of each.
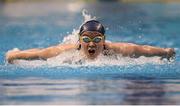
(25, 25)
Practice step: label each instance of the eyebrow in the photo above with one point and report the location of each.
(84, 34)
(98, 34)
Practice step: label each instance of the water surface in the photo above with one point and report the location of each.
(41, 24)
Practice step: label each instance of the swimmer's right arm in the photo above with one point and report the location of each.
(38, 53)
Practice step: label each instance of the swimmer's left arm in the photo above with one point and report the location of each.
(133, 50)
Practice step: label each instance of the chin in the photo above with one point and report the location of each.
(92, 56)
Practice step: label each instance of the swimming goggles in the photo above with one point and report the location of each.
(87, 39)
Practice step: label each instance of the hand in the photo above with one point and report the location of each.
(170, 53)
(10, 55)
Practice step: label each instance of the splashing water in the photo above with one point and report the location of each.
(87, 16)
(73, 38)
(74, 59)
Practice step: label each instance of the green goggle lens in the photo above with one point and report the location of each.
(86, 40)
(95, 40)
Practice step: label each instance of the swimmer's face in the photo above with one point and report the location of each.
(92, 43)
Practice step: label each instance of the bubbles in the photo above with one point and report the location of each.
(140, 36)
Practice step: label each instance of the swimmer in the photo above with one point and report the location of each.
(91, 44)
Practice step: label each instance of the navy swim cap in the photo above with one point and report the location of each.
(92, 25)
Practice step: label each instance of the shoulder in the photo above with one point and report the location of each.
(112, 45)
(123, 48)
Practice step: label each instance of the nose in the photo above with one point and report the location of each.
(91, 44)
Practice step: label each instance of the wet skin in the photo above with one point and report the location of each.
(92, 49)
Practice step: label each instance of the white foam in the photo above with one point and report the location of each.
(75, 59)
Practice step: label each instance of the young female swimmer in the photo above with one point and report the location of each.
(91, 44)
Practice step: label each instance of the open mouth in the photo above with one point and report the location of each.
(91, 51)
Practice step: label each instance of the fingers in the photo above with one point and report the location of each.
(9, 58)
(10, 55)
(170, 53)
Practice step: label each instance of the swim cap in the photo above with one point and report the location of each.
(92, 25)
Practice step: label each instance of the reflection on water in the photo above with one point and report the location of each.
(146, 92)
(89, 91)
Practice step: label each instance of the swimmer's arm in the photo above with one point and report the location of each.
(38, 53)
(133, 50)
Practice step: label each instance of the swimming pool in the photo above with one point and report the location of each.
(126, 81)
